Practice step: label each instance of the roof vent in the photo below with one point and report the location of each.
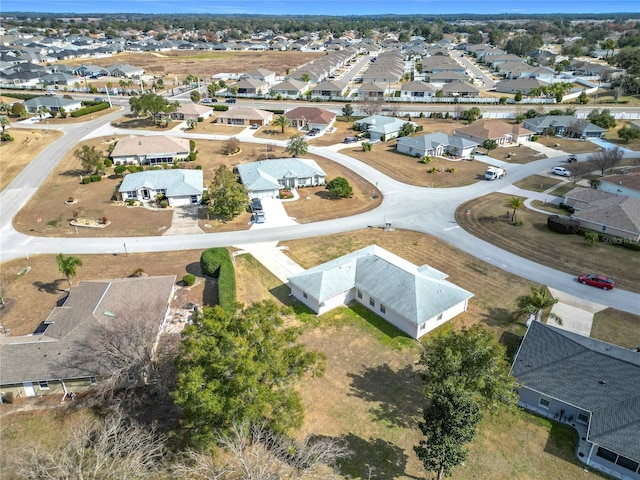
(109, 314)
(602, 382)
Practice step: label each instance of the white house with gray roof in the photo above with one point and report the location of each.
(180, 187)
(381, 127)
(264, 179)
(414, 299)
(151, 150)
(436, 145)
(590, 384)
(52, 103)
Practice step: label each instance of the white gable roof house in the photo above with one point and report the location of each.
(436, 144)
(264, 179)
(414, 299)
(152, 150)
(381, 127)
(180, 187)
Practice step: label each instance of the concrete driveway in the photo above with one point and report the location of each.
(576, 314)
(184, 221)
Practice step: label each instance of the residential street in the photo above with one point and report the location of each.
(427, 210)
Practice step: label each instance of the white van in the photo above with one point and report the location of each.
(50, 93)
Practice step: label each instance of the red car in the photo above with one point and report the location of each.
(599, 281)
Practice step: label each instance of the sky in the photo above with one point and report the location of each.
(324, 7)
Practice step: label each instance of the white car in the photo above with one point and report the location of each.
(563, 172)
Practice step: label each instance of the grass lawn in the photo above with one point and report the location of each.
(569, 145)
(535, 242)
(16, 155)
(619, 328)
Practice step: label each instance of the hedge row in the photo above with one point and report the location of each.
(220, 108)
(88, 110)
(612, 240)
(91, 178)
(216, 262)
(21, 96)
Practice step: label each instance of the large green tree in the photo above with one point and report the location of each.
(242, 367)
(90, 158)
(297, 146)
(228, 195)
(151, 104)
(68, 266)
(449, 424)
(627, 133)
(339, 187)
(603, 118)
(472, 114)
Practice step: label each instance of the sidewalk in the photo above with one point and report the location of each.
(271, 256)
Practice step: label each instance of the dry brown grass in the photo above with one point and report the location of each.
(16, 155)
(619, 328)
(569, 145)
(536, 242)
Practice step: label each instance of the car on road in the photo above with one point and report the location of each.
(209, 100)
(230, 100)
(595, 280)
(572, 159)
(99, 99)
(563, 172)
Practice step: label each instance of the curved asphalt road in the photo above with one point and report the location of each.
(428, 210)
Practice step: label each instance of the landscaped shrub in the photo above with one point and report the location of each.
(5, 137)
(95, 178)
(108, 163)
(88, 110)
(221, 108)
(119, 169)
(216, 262)
(612, 240)
(557, 224)
(164, 203)
(198, 167)
(189, 279)
(86, 180)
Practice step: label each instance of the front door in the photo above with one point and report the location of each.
(29, 391)
(145, 194)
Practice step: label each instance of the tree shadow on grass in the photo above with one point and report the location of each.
(498, 317)
(74, 172)
(397, 394)
(374, 458)
(51, 287)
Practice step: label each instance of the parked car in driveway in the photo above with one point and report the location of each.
(563, 172)
(350, 140)
(599, 281)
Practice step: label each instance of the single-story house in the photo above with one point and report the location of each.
(244, 116)
(564, 125)
(590, 384)
(371, 91)
(262, 74)
(151, 150)
(290, 88)
(605, 212)
(264, 179)
(57, 358)
(52, 103)
(93, 71)
(308, 118)
(447, 76)
(192, 111)
(125, 70)
(59, 78)
(435, 145)
(417, 90)
(251, 86)
(330, 88)
(522, 85)
(180, 187)
(381, 127)
(414, 299)
(627, 183)
(459, 89)
(502, 132)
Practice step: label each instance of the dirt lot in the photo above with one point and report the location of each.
(16, 155)
(534, 241)
(179, 64)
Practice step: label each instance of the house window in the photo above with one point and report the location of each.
(583, 418)
(304, 294)
(544, 403)
(44, 385)
(359, 294)
(161, 191)
(603, 229)
(627, 463)
(93, 381)
(383, 309)
(131, 377)
(607, 454)
(372, 302)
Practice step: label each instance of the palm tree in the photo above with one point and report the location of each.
(282, 121)
(536, 302)
(297, 146)
(68, 266)
(516, 203)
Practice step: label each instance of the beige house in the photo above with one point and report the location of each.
(152, 150)
(244, 116)
(604, 212)
(308, 118)
(192, 111)
(59, 357)
(502, 132)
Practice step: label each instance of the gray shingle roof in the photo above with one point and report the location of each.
(592, 375)
(264, 175)
(433, 140)
(61, 352)
(415, 293)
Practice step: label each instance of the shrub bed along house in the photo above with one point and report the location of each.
(216, 262)
(87, 110)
